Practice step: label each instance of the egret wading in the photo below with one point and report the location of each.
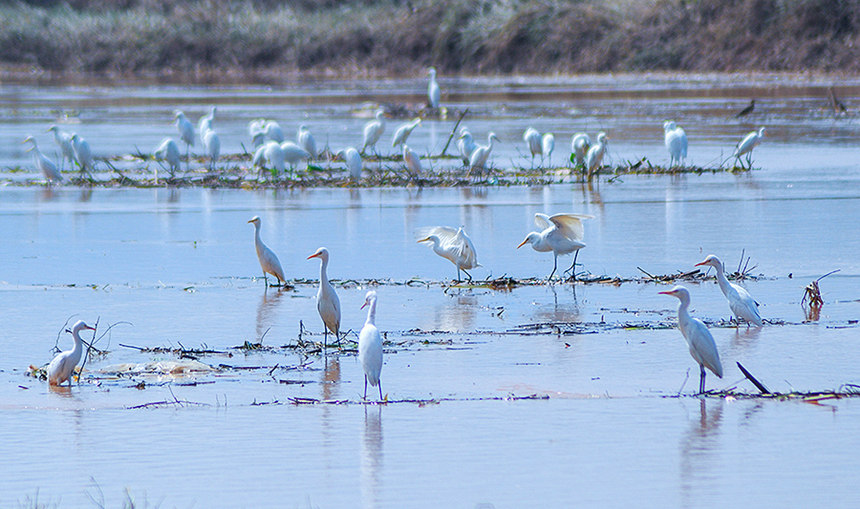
(370, 346)
(353, 162)
(743, 306)
(453, 245)
(579, 145)
(412, 161)
(168, 152)
(478, 161)
(306, 140)
(83, 154)
(205, 124)
(466, 145)
(373, 131)
(328, 304)
(186, 133)
(42, 163)
(561, 234)
(547, 146)
(64, 142)
(594, 156)
(533, 142)
(268, 259)
(434, 93)
(61, 368)
(676, 143)
(745, 147)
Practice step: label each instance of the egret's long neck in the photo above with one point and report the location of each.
(76, 351)
(323, 266)
(683, 311)
(721, 279)
(371, 313)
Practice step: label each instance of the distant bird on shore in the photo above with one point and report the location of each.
(268, 259)
(746, 111)
(205, 124)
(676, 143)
(434, 93)
(168, 152)
(699, 339)
(271, 154)
(212, 145)
(750, 141)
(370, 346)
(579, 145)
(412, 161)
(64, 142)
(466, 145)
(373, 131)
(186, 132)
(83, 154)
(560, 233)
(547, 146)
(61, 368)
(328, 304)
(257, 132)
(294, 154)
(42, 163)
(353, 162)
(272, 130)
(594, 156)
(743, 306)
(478, 161)
(403, 132)
(453, 245)
(533, 142)
(306, 140)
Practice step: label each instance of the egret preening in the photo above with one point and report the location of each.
(478, 161)
(168, 152)
(434, 93)
(42, 163)
(370, 346)
(594, 156)
(212, 145)
(741, 302)
(466, 145)
(561, 234)
(61, 368)
(294, 154)
(412, 161)
(403, 132)
(373, 131)
(64, 141)
(257, 132)
(750, 141)
(579, 145)
(272, 130)
(328, 304)
(676, 143)
(547, 146)
(699, 339)
(306, 140)
(186, 133)
(268, 259)
(353, 162)
(272, 154)
(83, 154)
(453, 245)
(533, 142)
(205, 124)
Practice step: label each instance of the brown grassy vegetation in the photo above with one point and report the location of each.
(460, 36)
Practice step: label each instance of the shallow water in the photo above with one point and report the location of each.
(180, 266)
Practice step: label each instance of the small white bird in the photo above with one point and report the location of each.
(272, 154)
(412, 161)
(373, 131)
(294, 154)
(306, 140)
(205, 124)
(64, 141)
(699, 339)
(594, 156)
(272, 130)
(83, 154)
(533, 142)
(547, 146)
(168, 152)
(561, 234)
(328, 304)
(268, 259)
(676, 143)
(741, 302)
(370, 346)
(466, 145)
(186, 132)
(212, 145)
(42, 163)
(403, 132)
(579, 145)
(61, 368)
(434, 93)
(353, 162)
(453, 245)
(257, 132)
(746, 145)
(481, 154)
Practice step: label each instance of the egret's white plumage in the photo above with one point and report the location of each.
(328, 304)
(741, 302)
(83, 154)
(403, 132)
(257, 131)
(481, 154)
(353, 162)
(434, 93)
(452, 244)
(533, 142)
(579, 145)
(64, 142)
(185, 128)
(561, 234)
(699, 339)
(594, 156)
(212, 145)
(373, 131)
(42, 163)
(676, 142)
(466, 145)
(272, 154)
(547, 146)
(370, 346)
(61, 368)
(750, 141)
(412, 161)
(168, 152)
(205, 124)
(306, 140)
(268, 259)
(272, 130)
(294, 154)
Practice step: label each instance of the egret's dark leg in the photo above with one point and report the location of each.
(469, 276)
(380, 390)
(702, 379)
(458, 274)
(365, 386)
(325, 337)
(572, 268)
(554, 266)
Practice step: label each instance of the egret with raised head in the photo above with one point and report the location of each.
(743, 306)
(370, 346)
(268, 259)
(328, 304)
(61, 368)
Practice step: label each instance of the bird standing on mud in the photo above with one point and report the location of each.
(594, 156)
(750, 141)
(533, 142)
(453, 245)
(64, 142)
(561, 234)
(478, 161)
(268, 259)
(353, 162)
(741, 302)
(42, 163)
(370, 346)
(83, 154)
(434, 93)
(186, 133)
(61, 368)
(579, 145)
(676, 143)
(168, 152)
(328, 304)
(547, 145)
(373, 131)
(699, 339)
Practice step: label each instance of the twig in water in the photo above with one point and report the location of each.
(89, 346)
(686, 377)
(753, 379)
(646, 273)
(453, 132)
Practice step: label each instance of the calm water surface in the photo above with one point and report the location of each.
(179, 265)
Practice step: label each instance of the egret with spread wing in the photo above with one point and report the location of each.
(453, 245)
(561, 234)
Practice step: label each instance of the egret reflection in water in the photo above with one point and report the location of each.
(371, 457)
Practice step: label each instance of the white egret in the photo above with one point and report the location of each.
(186, 132)
(676, 142)
(533, 142)
(212, 145)
(268, 259)
(561, 234)
(168, 152)
(403, 132)
(481, 154)
(579, 145)
(594, 156)
(547, 146)
(83, 154)
(412, 161)
(750, 141)
(257, 132)
(353, 162)
(42, 163)
(328, 304)
(61, 368)
(699, 339)
(373, 131)
(741, 302)
(453, 245)
(306, 140)
(272, 130)
(370, 346)
(294, 154)
(466, 145)
(434, 93)
(64, 141)
(272, 154)
(205, 124)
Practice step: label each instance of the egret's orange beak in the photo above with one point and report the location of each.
(523, 243)
(698, 264)
(667, 293)
(363, 305)
(88, 327)
(313, 256)
(424, 239)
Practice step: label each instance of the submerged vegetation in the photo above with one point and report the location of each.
(396, 37)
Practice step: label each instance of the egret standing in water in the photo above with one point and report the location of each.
(353, 162)
(750, 141)
(676, 143)
(61, 368)
(306, 140)
(370, 346)
(561, 234)
(434, 93)
(328, 304)
(533, 141)
(579, 145)
(186, 133)
(268, 259)
(294, 154)
(64, 141)
(466, 145)
(478, 161)
(373, 131)
(453, 245)
(212, 145)
(412, 161)
(83, 154)
(42, 163)
(741, 302)
(205, 124)
(699, 339)
(547, 146)
(594, 156)
(168, 152)
(403, 132)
